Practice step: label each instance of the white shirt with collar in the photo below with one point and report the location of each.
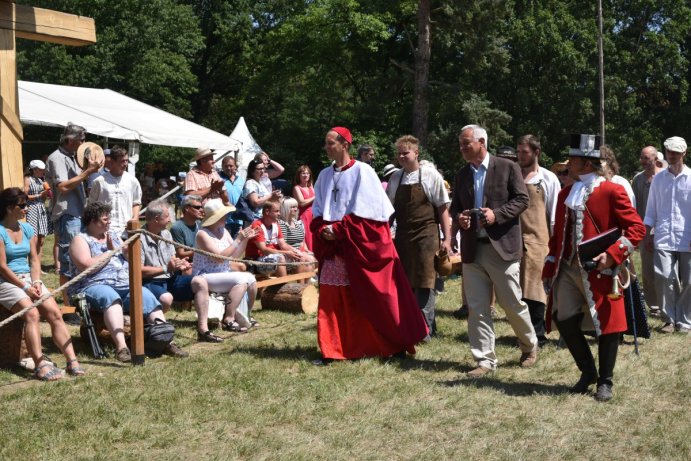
(669, 210)
(432, 184)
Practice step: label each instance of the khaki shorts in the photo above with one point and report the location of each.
(11, 294)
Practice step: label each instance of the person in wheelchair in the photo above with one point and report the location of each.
(108, 289)
(162, 271)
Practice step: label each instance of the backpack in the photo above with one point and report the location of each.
(157, 336)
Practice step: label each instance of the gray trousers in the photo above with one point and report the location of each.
(673, 281)
(426, 298)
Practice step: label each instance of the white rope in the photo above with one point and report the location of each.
(100, 262)
(217, 256)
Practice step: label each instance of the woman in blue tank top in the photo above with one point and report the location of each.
(21, 285)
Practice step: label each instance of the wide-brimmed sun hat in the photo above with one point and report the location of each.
(89, 151)
(201, 153)
(214, 210)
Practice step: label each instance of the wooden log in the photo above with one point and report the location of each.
(12, 347)
(291, 297)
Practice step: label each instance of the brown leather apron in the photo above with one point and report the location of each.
(535, 229)
(417, 233)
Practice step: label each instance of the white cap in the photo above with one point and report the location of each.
(675, 144)
(37, 164)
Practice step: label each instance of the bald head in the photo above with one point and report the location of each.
(648, 158)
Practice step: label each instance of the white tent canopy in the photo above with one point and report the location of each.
(106, 113)
(249, 148)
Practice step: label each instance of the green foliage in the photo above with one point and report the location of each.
(294, 68)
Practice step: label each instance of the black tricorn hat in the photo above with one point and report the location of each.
(585, 145)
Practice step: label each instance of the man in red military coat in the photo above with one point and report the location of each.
(592, 205)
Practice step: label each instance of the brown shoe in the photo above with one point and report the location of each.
(479, 372)
(667, 328)
(174, 350)
(528, 359)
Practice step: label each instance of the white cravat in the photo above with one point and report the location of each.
(576, 197)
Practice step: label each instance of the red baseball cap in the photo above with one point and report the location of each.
(344, 132)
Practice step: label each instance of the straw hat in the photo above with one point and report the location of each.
(214, 210)
(89, 151)
(201, 152)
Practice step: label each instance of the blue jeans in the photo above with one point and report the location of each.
(101, 297)
(66, 227)
(180, 286)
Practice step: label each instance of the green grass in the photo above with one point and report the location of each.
(257, 396)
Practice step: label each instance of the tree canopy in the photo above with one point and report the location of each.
(294, 68)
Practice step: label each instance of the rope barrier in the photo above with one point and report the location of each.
(217, 256)
(100, 262)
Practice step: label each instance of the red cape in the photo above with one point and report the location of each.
(378, 283)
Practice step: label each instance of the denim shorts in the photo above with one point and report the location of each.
(180, 286)
(101, 297)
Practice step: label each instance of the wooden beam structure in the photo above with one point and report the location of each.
(34, 24)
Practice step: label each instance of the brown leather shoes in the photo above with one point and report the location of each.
(528, 359)
(479, 372)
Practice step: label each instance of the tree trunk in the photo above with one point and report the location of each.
(421, 89)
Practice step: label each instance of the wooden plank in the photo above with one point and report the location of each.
(47, 25)
(68, 310)
(287, 279)
(134, 253)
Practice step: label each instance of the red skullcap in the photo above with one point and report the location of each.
(344, 132)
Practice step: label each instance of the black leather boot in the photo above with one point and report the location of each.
(570, 331)
(608, 346)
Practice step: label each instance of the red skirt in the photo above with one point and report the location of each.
(344, 333)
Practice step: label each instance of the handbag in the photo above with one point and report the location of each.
(442, 262)
(243, 212)
(157, 336)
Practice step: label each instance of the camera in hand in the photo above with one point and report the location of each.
(478, 214)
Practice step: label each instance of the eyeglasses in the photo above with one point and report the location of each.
(196, 207)
(21, 205)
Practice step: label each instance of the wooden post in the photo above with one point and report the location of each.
(22, 21)
(134, 252)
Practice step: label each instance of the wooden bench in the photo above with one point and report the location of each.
(284, 294)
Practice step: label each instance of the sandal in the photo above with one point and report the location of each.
(254, 322)
(233, 326)
(74, 370)
(208, 337)
(53, 375)
(123, 355)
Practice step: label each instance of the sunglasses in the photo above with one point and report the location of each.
(564, 173)
(21, 205)
(196, 207)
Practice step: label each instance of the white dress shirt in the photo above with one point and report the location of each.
(669, 210)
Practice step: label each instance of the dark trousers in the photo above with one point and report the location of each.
(537, 318)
